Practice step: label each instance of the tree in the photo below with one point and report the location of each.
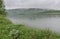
(2, 8)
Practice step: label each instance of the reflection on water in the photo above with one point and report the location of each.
(37, 20)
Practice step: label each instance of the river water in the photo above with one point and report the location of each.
(50, 21)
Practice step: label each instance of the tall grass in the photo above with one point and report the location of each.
(24, 32)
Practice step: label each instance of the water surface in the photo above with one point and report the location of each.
(51, 21)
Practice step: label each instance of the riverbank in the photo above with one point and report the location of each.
(25, 32)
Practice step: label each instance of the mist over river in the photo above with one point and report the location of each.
(51, 21)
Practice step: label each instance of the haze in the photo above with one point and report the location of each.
(45, 4)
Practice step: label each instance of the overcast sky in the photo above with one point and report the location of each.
(50, 4)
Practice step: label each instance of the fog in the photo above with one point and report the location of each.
(52, 22)
(45, 4)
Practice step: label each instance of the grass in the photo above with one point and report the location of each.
(25, 32)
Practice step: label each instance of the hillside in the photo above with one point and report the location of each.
(33, 11)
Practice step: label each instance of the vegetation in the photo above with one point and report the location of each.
(2, 10)
(11, 31)
(34, 11)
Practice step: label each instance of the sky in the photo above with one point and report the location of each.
(45, 4)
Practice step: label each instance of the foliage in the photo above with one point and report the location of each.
(2, 10)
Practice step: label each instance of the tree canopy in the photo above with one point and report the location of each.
(2, 8)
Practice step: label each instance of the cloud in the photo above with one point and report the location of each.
(50, 4)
